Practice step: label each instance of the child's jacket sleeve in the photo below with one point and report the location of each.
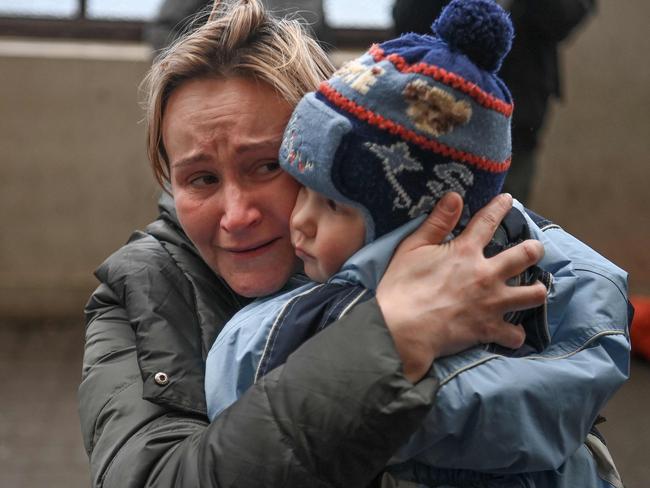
(520, 414)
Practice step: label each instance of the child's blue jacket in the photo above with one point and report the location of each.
(493, 414)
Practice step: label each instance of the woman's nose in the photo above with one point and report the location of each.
(240, 211)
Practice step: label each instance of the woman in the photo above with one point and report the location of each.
(344, 402)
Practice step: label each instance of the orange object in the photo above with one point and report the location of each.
(640, 333)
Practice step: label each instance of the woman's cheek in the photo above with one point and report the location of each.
(193, 217)
(288, 188)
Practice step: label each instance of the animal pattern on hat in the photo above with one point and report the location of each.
(359, 76)
(434, 110)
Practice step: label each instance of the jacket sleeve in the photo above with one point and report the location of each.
(521, 414)
(331, 416)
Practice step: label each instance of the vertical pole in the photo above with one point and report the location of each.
(82, 9)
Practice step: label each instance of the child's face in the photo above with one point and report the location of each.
(324, 233)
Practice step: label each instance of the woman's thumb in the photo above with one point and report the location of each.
(440, 222)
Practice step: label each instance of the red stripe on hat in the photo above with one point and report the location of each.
(399, 130)
(446, 77)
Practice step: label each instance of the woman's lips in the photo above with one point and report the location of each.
(252, 250)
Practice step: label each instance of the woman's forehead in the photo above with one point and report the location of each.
(245, 116)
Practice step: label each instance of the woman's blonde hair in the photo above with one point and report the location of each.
(242, 39)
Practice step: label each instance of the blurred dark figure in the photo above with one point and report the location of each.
(531, 70)
(176, 16)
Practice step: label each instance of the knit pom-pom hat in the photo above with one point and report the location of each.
(410, 120)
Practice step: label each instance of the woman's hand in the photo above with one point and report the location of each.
(439, 299)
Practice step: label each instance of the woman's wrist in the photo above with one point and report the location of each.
(415, 354)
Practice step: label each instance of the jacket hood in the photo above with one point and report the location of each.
(168, 227)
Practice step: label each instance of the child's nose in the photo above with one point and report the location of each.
(302, 221)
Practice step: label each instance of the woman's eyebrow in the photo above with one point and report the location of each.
(257, 145)
(189, 160)
(249, 146)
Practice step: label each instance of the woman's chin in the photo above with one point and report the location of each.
(260, 275)
(255, 285)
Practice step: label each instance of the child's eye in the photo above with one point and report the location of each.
(332, 205)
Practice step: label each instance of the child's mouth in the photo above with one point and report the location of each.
(302, 254)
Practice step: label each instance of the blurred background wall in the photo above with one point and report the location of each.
(594, 173)
(75, 182)
(74, 177)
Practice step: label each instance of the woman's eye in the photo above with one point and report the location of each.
(204, 180)
(268, 168)
(332, 205)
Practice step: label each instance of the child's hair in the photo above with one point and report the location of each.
(410, 120)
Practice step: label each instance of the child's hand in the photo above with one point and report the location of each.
(439, 299)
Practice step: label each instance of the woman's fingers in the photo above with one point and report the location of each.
(517, 259)
(439, 299)
(438, 224)
(523, 297)
(484, 223)
(508, 335)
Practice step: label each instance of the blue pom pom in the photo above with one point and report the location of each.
(480, 29)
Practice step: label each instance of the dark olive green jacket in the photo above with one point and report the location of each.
(331, 416)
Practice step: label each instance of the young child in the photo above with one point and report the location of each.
(375, 148)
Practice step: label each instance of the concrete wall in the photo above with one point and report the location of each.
(74, 181)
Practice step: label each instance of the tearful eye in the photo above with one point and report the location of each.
(269, 167)
(204, 180)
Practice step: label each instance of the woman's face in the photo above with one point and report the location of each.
(222, 138)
